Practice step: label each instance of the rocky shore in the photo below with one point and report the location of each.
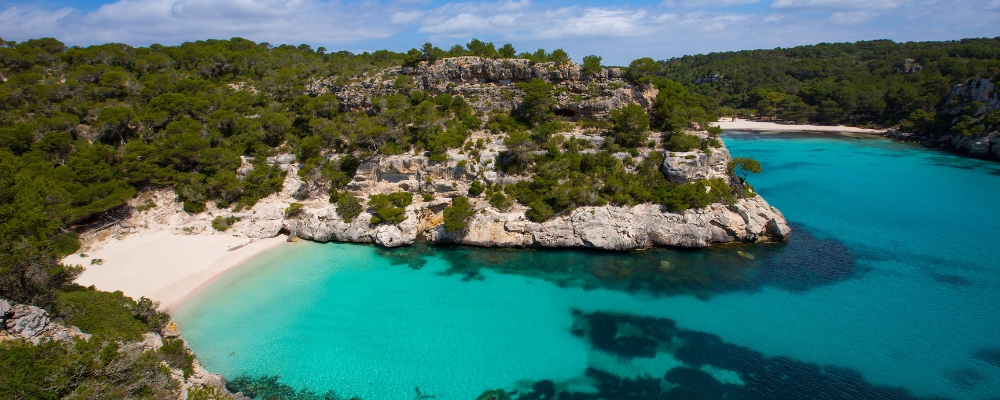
(978, 92)
(33, 324)
(608, 227)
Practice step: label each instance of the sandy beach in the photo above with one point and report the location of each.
(764, 126)
(164, 266)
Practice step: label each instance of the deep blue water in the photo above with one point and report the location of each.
(888, 288)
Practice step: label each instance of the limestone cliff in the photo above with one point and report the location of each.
(489, 84)
(973, 101)
(605, 227)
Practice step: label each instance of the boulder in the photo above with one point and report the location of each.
(691, 166)
(33, 324)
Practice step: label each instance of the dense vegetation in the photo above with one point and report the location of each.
(872, 82)
(82, 130)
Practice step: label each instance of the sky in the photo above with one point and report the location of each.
(617, 31)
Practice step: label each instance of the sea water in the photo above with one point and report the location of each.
(889, 287)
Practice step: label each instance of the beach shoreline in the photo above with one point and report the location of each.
(166, 267)
(738, 124)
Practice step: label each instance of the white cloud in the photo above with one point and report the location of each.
(707, 3)
(405, 17)
(838, 4)
(170, 21)
(852, 17)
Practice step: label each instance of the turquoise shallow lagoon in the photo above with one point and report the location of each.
(889, 288)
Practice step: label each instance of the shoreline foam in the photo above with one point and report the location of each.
(765, 126)
(165, 267)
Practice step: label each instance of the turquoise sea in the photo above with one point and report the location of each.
(888, 288)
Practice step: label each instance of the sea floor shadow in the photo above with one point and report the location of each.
(800, 264)
(707, 367)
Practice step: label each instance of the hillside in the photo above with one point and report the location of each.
(918, 88)
(472, 146)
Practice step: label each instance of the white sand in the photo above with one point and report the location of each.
(163, 266)
(763, 126)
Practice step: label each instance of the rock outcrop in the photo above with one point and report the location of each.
(986, 97)
(691, 166)
(606, 227)
(624, 228)
(21, 321)
(491, 84)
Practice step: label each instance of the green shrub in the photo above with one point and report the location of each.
(500, 201)
(682, 142)
(174, 353)
(389, 208)
(194, 207)
(427, 197)
(108, 316)
(476, 189)
(348, 206)
(630, 125)
(66, 243)
(80, 369)
(222, 224)
(456, 216)
(293, 210)
(538, 211)
(149, 204)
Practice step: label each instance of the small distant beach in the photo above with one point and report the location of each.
(164, 266)
(737, 124)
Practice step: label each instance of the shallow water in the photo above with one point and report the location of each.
(888, 288)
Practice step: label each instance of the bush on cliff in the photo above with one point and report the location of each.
(630, 126)
(348, 206)
(108, 316)
(682, 142)
(81, 369)
(456, 216)
(389, 208)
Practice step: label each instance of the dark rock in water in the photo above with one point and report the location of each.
(498, 394)
(545, 389)
(606, 328)
(695, 383)
(990, 356)
(612, 386)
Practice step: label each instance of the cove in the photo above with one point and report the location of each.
(888, 288)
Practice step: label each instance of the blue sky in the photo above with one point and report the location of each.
(617, 31)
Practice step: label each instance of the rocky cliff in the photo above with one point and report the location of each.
(489, 84)
(972, 103)
(605, 227)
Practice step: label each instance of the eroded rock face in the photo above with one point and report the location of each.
(625, 228)
(606, 227)
(975, 90)
(691, 166)
(33, 324)
(979, 89)
(490, 84)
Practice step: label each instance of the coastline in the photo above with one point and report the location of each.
(163, 266)
(763, 126)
